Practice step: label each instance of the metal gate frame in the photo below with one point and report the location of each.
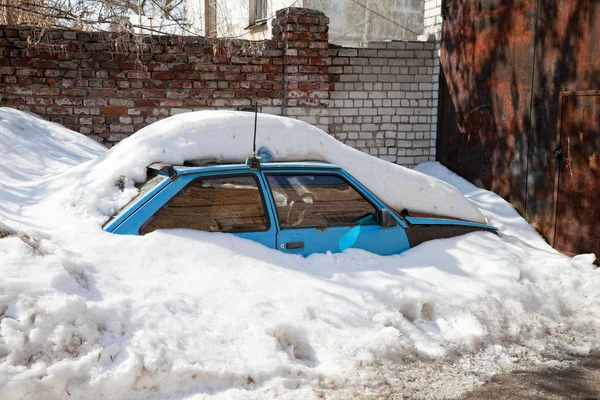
(562, 96)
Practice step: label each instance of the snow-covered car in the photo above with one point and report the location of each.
(297, 207)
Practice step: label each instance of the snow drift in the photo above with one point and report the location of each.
(227, 136)
(181, 314)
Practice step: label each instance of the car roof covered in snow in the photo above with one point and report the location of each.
(229, 136)
(192, 169)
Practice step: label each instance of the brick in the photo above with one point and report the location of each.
(60, 110)
(367, 53)
(340, 61)
(376, 45)
(347, 53)
(414, 45)
(121, 102)
(147, 103)
(121, 129)
(395, 45)
(138, 75)
(113, 110)
(68, 101)
(171, 103)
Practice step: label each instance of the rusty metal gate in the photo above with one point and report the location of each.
(577, 188)
(519, 109)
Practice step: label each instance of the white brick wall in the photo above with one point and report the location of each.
(432, 20)
(384, 101)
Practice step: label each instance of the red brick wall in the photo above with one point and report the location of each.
(82, 80)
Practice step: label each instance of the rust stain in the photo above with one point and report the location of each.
(504, 66)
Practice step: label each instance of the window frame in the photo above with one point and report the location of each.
(137, 202)
(254, 18)
(216, 176)
(209, 30)
(319, 173)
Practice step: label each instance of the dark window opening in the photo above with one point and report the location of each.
(210, 7)
(260, 10)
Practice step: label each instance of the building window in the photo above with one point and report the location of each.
(258, 11)
(210, 27)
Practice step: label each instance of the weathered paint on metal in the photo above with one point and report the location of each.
(504, 65)
(488, 44)
(567, 59)
(578, 182)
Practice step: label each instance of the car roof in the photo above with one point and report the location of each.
(168, 170)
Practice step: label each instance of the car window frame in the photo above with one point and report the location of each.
(138, 201)
(259, 185)
(337, 173)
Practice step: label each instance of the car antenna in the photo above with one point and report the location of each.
(253, 161)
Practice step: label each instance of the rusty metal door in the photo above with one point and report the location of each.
(505, 64)
(577, 202)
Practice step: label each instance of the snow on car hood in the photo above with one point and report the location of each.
(227, 136)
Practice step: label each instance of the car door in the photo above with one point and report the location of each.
(319, 211)
(227, 202)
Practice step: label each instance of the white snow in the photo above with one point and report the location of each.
(90, 315)
(227, 136)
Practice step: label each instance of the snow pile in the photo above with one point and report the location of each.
(30, 148)
(227, 136)
(181, 314)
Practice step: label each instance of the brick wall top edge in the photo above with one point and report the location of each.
(59, 35)
(299, 11)
(387, 44)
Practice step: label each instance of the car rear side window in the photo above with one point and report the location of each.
(144, 187)
(221, 204)
(318, 201)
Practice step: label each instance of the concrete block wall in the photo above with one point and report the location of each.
(384, 100)
(433, 20)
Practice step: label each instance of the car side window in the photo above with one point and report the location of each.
(318, 201)
(221, 204)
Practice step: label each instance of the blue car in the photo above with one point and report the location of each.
(296, 207)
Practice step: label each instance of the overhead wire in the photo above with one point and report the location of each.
(376, 14)
(263, 20)
(383, 16)
(361, 25)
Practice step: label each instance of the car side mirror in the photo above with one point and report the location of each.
(385, 219)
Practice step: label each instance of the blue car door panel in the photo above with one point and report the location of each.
(232, 202)
(297, 208)
(320, 211)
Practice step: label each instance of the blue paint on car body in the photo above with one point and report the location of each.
(366, 234)
(349, 238)
(444, 221)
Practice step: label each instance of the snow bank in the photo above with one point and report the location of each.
(227, 136)
(32, 149)
(90, 315)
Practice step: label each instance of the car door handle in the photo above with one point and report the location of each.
(294, 245)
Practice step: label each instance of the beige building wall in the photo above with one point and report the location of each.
(352, 22)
